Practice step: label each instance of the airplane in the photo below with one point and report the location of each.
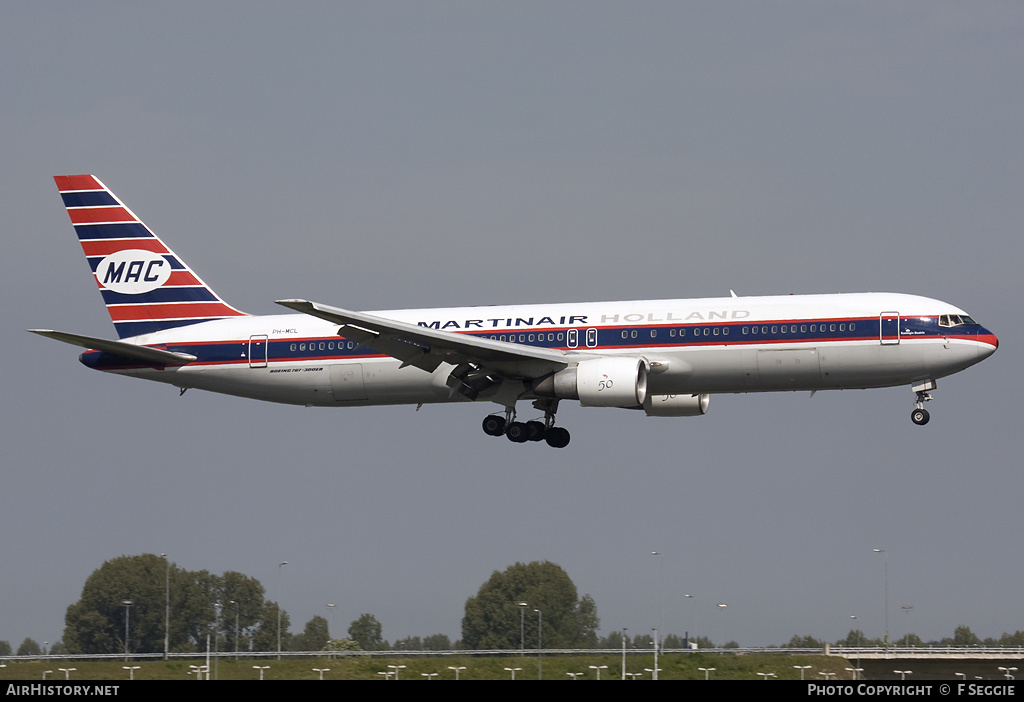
(662, 357)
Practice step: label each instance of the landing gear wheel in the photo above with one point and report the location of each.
(518, 432)
(920, 416)
(494, 425)
(557, 437)
(535, 431)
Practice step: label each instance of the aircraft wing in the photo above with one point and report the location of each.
(427, 348)
(146, 354)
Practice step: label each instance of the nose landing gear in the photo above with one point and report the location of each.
(920, 415)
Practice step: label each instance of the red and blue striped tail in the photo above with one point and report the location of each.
(145, 286)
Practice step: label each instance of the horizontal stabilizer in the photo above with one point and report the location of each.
(119, 348)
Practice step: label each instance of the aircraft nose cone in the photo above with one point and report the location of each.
(987, 343)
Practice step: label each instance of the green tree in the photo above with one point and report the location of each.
(5, 648)
(96, 623)
(703, 642)
(613, 640)
(409, 643)
(366, 631)
(314, 637)
(1014, 639)
(807, 641)
(963, 636)
(492, 617)
(29, 647)
(437, 642)
(342, 645)
(264, 634)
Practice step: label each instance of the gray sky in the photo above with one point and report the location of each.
(423, 154)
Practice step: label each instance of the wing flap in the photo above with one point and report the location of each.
(427, 348)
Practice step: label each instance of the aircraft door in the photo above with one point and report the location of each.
(258, 351)
(889, 328)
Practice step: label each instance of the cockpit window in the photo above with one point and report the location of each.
(956, 320)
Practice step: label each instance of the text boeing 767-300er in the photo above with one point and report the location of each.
(664, 357)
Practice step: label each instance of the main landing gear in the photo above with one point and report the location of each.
(920, 415)
(521, 432)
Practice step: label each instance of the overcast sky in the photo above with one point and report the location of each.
(428, 154)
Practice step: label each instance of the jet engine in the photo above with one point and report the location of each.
(601, 382)
(676, 405)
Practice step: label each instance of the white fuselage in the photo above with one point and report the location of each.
(693, 346)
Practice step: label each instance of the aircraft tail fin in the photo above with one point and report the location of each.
(144, 285)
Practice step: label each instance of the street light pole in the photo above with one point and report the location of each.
(886, 567)
(522, 625)
(280, 591)
(540, 621)
(127, 609)
(623, 653)
(167, 607)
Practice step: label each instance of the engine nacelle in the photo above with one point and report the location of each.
(676, 405)
(601, 382)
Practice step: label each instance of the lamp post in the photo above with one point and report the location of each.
(693, 625)
(235, 603)
(513, 671)
(522, 624)
(598, 668)
(802, 668)
(859, 634)
(280, 591)
(886, 577)
(260, 668)
(456, 668)
(167, 607)
(330, 618)
(540, 621)
(127, 608)
(655, 669)
(661, 600)
(706, 671)
(906, 636)
(623, 653)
